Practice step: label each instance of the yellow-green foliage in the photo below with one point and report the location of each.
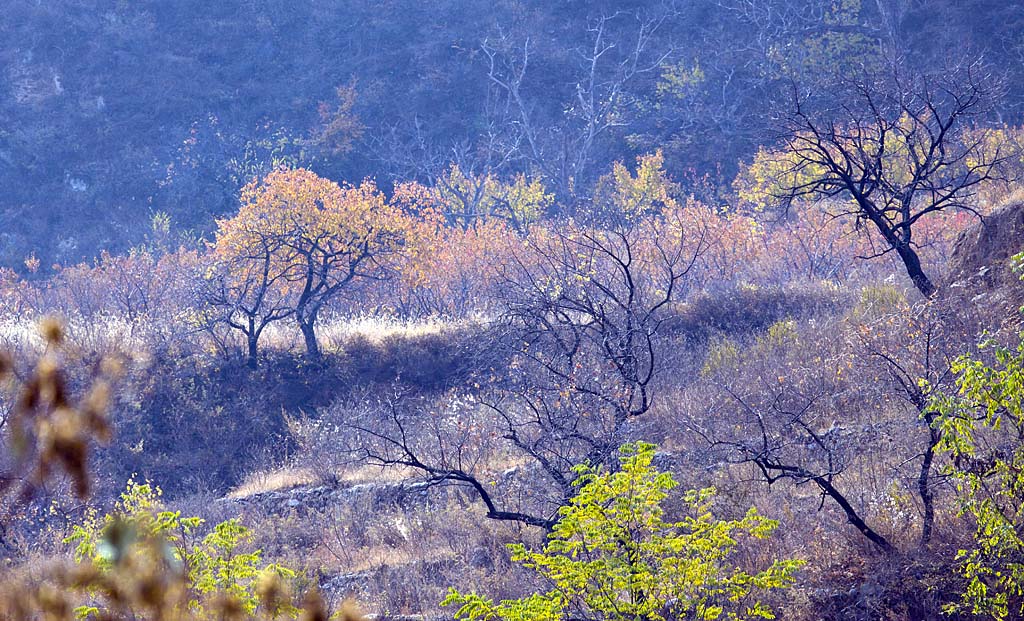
(760, 184)
(723, 354)
(679, 79)
(141, 561)
(613, 555)
(215, 566)
(780, 334)
(635, 195)
(465, 197)
(831, 49)
(981, 426)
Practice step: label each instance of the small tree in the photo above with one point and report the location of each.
(308, 238)
(468, 198)
(246, 288)
(896, 150)
(613, 555)
(581, 308)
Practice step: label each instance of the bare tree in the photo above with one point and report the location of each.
(447, 442)
(771, 24)
(897, 149)
(407, 152)
(602, 95)
(782, 431)
(809, 418)
(583, 305)
(524, 131)
(910, 348)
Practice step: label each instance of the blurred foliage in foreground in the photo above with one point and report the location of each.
(141, 561)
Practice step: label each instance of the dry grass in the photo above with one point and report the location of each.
(379, 330)
(263, 481)
(19, 335)
(286, 478)
(83, 336)
(333, 334)
(375, 474)
(394, 555)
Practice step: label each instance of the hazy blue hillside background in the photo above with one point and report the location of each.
(112, 111)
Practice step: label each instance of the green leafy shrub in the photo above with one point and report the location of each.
(613, 555)
(141, 534)
(982, 427)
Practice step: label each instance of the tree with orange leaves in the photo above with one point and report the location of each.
(305, 239)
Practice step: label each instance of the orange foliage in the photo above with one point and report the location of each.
(444, 270)
(298, 240)
(320, 233)
(306, 239)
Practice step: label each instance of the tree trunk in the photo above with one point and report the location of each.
(851, 514)
(309, 336)
(924, 482)
(823, 483)
(252, 359)
(913, 264)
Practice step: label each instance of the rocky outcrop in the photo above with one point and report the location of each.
(310, 499)
(982, 284)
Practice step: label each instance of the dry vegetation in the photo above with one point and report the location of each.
(378, 534)
(388, 388)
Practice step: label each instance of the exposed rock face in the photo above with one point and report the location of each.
(982, 284)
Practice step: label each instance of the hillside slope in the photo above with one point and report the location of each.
(112, 111)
